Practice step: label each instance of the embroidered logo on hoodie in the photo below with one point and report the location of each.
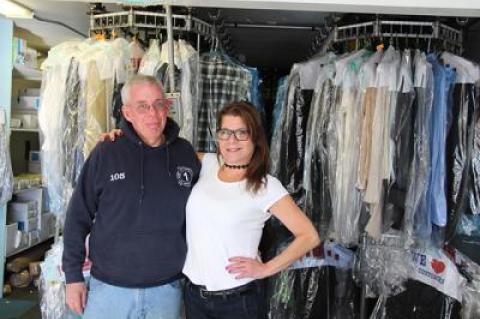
(184, 176)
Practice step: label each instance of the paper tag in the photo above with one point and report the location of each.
(438, 272)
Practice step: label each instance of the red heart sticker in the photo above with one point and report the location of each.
(438, 266)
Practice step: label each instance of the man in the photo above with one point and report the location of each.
(131, 198)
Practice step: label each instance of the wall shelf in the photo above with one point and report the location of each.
(29, 130)
(26, 73)
(21, 249)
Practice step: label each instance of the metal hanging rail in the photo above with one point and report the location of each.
(400, 29)
(148, 20)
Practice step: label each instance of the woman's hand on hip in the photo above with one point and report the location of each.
(244, 267)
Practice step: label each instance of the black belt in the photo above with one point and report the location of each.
(237, 291)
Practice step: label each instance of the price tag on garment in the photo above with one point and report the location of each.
(438, 272)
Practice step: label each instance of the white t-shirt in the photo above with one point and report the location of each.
(224, 220)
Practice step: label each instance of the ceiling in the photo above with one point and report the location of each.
(259, 46)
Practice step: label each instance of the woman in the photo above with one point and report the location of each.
(225, 215)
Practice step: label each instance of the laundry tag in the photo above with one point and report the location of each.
(439, 272)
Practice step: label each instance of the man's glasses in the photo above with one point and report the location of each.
(240, 134)
(158, 105)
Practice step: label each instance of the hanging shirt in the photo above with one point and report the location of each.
(444, 78)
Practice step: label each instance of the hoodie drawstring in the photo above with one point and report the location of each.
(142, 186)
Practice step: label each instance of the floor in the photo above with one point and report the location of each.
(23, 303)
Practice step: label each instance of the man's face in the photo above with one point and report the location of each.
(147, 110)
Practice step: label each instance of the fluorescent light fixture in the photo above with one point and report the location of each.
(12, 9)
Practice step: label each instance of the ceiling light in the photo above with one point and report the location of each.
(12, 9)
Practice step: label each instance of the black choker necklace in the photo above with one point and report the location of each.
(236, 166)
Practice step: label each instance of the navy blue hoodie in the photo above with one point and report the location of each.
(131, 198)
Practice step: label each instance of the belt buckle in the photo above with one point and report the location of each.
(202, 292)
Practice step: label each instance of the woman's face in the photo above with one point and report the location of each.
(237, 148)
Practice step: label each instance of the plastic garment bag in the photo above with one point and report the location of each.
(310, 293)
(52, 286)
(50, 118)
(385, 265)
(71, 141)
(6, 183)
(316, 178)
(280, 132)
(380, 155)
(444, 78)
(401, 136)
(151, 60)
(416, 219)
(347, 202)
(418, 301)
(290, 153)
(279, 100)
(474, 185)
(471, 294)
(459, 149)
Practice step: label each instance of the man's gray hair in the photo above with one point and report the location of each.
(136, 80)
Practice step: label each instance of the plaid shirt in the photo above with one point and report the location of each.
(221, 82)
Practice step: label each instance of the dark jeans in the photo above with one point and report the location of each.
(245, 305)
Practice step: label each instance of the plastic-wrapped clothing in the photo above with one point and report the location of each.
(52, 285)
(50, 114)
(221, 82)
(95, 92)
(368, 79)
(386, 265)
(416, 219)
(459, 149)
(71, 148)
(444, 78)
(6, 183)
(418, 301)
(366, 139)
(318, 204)
(474, 185)
(155, 63)
(324, 292)
(381, 152)
(189, 98)
(401, 136)
(471, 293)
(151, 61)
(279, 101)
(386, 86)
(292, 147)
(117, 103)
(347, 202)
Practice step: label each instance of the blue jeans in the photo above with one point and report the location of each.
(105, 301)
(246, 305)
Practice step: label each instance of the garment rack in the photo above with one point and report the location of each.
(134, 19)
(426, 30)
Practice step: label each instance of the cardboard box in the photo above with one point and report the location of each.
(22, 210)
(34, 167)
(29, 102)
(28, 225)
(13, 238)
(33, 238)
(48, 225)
